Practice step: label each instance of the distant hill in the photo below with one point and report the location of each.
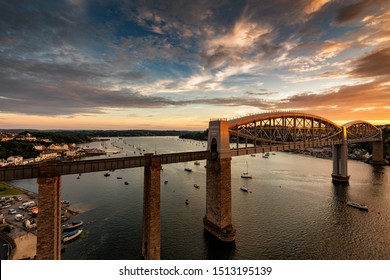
(100, 133)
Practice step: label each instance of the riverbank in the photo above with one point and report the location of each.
(24, 238)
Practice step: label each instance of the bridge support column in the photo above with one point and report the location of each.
(340, 162)
(151, 210)
(218, 219)
(378, 155)
(49, 219)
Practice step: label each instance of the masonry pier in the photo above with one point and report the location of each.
(151, 242)
(218, 218)
(49, 221)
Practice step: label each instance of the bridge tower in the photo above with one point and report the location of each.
(151, 237)
(49, 220)
(218, 218)
(340, 159)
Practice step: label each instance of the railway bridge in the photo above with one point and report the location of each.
(259, 133)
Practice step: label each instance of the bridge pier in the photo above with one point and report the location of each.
(218, 219)
(49, 219)
(151, 242)
(340, 159)
(340, 162)
(378, 155)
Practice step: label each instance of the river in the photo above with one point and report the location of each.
(292, 209)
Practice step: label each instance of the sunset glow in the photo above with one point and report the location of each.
(79, 64)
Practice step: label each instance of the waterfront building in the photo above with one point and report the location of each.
(47, 155)
(15, 160)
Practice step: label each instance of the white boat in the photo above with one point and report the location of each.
(72, 235)
(196, 186)
(244, 189)
(246, 174)
(357, 205)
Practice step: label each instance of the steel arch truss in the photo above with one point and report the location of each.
(361, 131)
(279, 129)
(283, 128)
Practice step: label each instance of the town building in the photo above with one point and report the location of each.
(15, 160)
(46, 155)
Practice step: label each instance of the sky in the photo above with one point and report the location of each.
(176, 64)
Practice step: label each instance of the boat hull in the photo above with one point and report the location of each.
(357, 205)
(72, 226)
(72, 236)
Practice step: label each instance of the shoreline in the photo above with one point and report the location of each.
(25, 240)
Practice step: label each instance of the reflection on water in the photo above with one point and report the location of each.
(292, 209)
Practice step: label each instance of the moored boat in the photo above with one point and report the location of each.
(188, 169)
(73, 225)
(357, 205)
(246, 174)
(244, 189)
(72, 235)
(196, 186)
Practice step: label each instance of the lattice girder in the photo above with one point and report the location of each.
(288, 127)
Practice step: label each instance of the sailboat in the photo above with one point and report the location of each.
(246, 174)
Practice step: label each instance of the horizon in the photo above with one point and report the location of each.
(112, 65)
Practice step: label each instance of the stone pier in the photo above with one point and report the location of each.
(49, 219)
(218, 218)
(151, 210)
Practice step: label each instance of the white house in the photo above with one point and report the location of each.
(15, 160)
(54, 147)
(28, 160)
(47, 155)
(39, 147)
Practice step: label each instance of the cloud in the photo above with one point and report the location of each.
(79, 57)
(315, 5)
(376, 64)
(342, 102)
(357, 10)
(243, 35)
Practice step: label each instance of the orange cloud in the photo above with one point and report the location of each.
(315, 5)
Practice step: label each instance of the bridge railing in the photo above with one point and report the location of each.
(59, 168)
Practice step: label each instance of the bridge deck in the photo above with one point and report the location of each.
(58, 168)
